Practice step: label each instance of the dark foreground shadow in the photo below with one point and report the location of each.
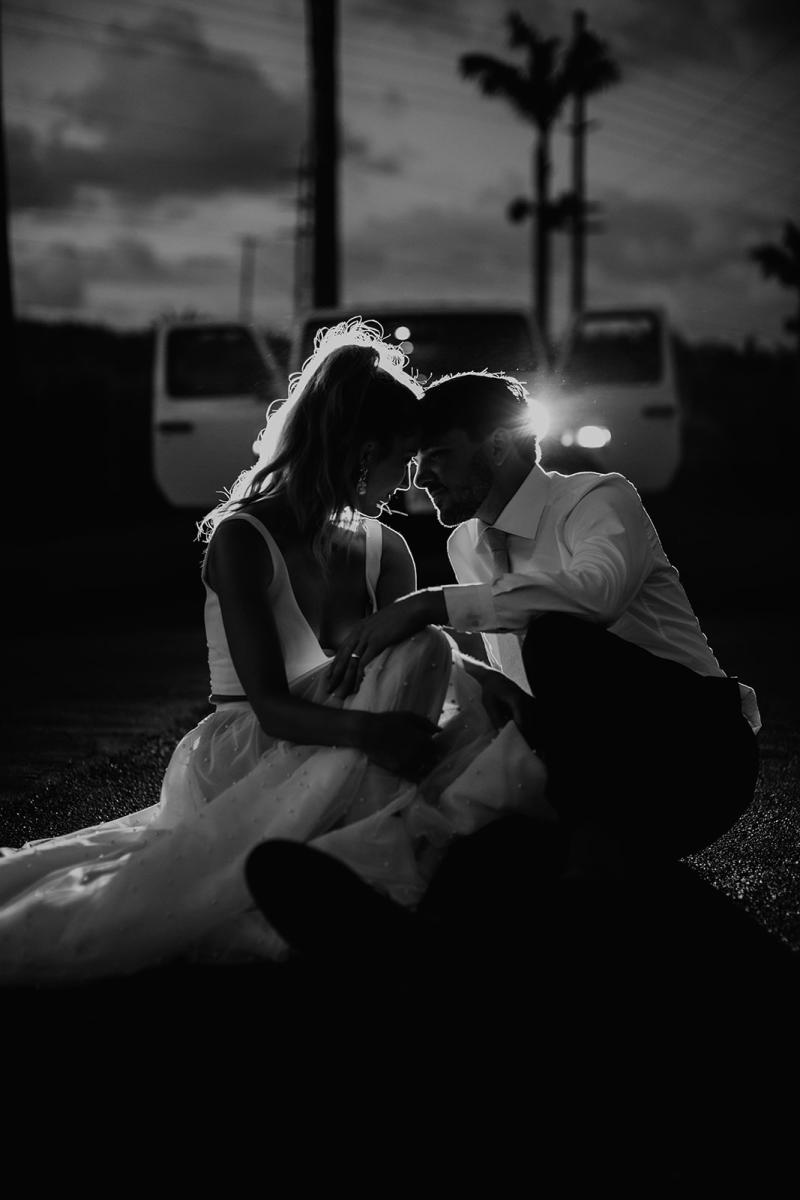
(644, 1042)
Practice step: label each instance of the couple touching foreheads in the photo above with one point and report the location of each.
(347, 722)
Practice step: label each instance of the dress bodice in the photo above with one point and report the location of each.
(301, 649)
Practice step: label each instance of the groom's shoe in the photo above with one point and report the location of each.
(326, 912)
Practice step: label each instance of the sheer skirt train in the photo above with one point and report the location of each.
(167, 883)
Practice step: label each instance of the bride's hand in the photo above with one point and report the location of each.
(390, 625)
(401, 742)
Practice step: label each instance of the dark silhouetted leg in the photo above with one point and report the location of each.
(639, 743)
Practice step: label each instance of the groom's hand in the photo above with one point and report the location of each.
(505, 701)
(389, 625)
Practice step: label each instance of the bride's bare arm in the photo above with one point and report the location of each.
(241, 572)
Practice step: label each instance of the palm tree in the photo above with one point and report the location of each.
(782, 262)
(537, 92)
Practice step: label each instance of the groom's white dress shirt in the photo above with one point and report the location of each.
(581, 544)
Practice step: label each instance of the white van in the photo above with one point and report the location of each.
(613, 399)
(212, 384)
(438, 339)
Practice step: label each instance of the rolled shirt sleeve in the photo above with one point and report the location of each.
(605, 555)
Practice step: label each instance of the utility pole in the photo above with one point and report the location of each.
(303, 233)
(247, 275)
(323, 51)
(578, 224)
(541, 237)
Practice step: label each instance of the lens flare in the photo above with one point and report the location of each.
(538, 418)
(592, 437)
(402, 333)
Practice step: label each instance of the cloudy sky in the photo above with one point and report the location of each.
(145, 140)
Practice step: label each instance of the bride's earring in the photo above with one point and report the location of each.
(363, 476)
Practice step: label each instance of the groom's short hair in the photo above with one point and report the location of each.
(479, 402)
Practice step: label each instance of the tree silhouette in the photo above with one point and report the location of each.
(537, 92)
(782, 262)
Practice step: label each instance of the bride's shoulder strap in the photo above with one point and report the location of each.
(374, 548)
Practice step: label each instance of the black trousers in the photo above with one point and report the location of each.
(644, 745)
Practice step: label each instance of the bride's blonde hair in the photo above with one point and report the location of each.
(353, 388)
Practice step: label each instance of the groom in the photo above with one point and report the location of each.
(650, 748)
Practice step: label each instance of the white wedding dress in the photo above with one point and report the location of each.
(167, 884)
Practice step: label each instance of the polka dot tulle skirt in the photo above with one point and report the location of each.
(167, 884)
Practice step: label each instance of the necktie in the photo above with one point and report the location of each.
(497, 541)
(506, 646)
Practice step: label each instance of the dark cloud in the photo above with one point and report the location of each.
(64, 277)
(32, 181)
(650, 31)
(715, 32)
(133, 260)
(661, 242)
(768, 20)
(358, 150)
(61, 275)
(169, 117)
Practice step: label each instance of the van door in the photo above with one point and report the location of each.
(615, 401)
(212, 386)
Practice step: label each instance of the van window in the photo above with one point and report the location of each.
(611, 347)
(438, 343)
(213, 360)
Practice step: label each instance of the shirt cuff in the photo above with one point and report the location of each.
(470, 606)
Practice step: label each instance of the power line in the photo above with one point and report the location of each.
(762, 153)
(720, 156)
(632, 146)
(269, 22)
(641, 115)
(421, 93)
(723, 152)
(663, 153)
(114, 43)
(103, 39)
(354, 90)
(617, 135)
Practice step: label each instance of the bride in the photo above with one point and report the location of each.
(382, 780)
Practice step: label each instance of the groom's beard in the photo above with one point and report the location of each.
(460, 503)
